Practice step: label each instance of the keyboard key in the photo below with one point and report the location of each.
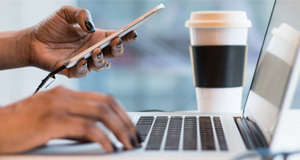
(157, 133)
(173, 134)
(206, 134)
(143, 126)
(190, 133)
(220, 134)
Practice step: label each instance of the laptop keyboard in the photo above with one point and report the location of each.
(186, 127)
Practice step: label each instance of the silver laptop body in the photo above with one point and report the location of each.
(194, 135)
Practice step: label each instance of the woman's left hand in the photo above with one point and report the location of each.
(66, 33)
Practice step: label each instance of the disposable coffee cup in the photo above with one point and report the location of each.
(218, 54)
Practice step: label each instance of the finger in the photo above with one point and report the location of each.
(117, 126)
(77, 15)
(97, 135)
(94, 107)
(115, 49)
(98, 60)
(128, 38)
(80, 128)
(80, 70)
(113, 104)
(116, 106)
(96, 110)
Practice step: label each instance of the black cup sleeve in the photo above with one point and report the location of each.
(218, 66)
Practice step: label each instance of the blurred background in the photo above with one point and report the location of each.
(155, 71)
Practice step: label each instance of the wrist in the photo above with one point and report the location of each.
(23, 48)
(15, 48)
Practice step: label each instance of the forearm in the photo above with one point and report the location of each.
(14, 49)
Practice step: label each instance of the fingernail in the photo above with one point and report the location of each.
(89, 25)
(135, 36)
(119, 45)
(100, 55)
(84, 65)
(139, 138)
(114, 147)
(132, 141)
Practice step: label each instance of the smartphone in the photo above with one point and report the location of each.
(120, 33)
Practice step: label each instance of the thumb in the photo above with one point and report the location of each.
(77, 15)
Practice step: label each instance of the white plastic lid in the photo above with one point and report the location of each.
(288, 34)
(213, 19)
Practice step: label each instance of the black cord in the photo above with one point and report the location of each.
(50, 75)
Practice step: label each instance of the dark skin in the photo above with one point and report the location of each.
(30, 123)
(54, 39)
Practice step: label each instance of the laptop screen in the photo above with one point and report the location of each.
(274, 66)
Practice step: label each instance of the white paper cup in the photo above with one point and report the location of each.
(214, 29)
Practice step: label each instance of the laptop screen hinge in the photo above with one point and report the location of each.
(251, 133)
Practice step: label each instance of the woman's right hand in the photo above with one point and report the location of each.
(63, 113)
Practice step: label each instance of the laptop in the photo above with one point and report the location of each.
(194, 135)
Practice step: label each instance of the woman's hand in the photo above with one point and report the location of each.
(66, 33)
(63, 113)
